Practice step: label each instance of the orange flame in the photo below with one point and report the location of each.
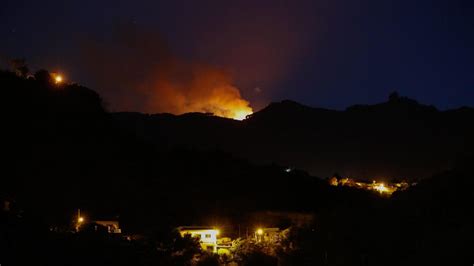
(138, 72)
(203, 89)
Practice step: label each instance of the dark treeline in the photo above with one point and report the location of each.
(65, 151)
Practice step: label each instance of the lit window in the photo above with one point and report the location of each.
(208, 236)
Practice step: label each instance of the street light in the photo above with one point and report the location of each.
(259, 235)
(80, 220)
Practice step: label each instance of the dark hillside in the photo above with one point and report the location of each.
(64, 151)
(396, 139)
(67, 152)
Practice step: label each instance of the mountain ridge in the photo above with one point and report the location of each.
(323, 141)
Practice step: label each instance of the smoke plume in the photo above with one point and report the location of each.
(136, 71)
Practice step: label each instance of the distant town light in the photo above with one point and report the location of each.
(385, 189)
(381, 188)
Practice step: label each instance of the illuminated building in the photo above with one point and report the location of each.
(112, 226)
(207, 236)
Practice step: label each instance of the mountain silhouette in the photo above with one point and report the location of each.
(399, 138)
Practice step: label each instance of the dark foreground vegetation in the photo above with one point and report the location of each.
(64, 151)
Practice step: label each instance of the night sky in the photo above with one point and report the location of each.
(323, 53)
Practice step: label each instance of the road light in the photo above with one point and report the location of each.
(259, 231)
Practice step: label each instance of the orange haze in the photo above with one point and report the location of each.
(185, 88)
(135, 71)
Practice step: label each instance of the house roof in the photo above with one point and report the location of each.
(195, 228)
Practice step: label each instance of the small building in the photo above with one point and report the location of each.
(207, 236)
(112, 226)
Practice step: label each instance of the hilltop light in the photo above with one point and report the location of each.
(58, 79)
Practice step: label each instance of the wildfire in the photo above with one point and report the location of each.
(241, 114)
(202, 89)
(158, 81)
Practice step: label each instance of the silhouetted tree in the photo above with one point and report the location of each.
(178, 250)
(20, 67)
(394, 96)
(247, 252)
(208, 260)
(43, 77)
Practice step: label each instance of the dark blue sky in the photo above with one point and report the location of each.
(324, 53)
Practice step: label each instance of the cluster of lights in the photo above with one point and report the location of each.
(380, 187)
